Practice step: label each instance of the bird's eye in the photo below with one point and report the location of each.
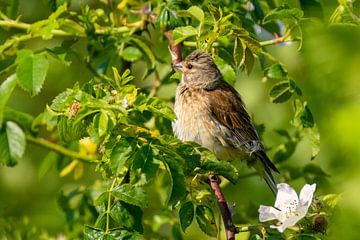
(189, 66)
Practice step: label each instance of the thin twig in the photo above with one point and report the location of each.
(224, 208)
(64, 151)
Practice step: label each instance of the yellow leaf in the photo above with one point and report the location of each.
(69, 168)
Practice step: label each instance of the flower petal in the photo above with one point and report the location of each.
(306, 195)
(267, 213)
(285, 197)
(281, 228)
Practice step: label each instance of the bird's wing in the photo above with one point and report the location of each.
(228, 109)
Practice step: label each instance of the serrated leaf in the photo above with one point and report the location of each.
(143, 169)
(280, 92)
(120, 154)
(127, 215)
(226, 70)
(103, 123)
(131, 54)
(12, 144)
(186, 215)
(275, 71)
(177, 180)
(248, 61)
(206, 220)
(31, 71)
(196, 12)
(92, 233)
(159, 107)
(6, 89)
(306, 117)
(225, 169)
(314, 136)
(182, 33)
(131, 194)
(283, 13)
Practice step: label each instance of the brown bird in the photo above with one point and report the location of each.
(211, 113)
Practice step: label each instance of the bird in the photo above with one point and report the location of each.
(210, 112)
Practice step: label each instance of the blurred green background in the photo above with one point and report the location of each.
(327, 69)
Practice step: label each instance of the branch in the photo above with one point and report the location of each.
(175, 50)
(278, 40)
(224, 208)
(57, 32)
(57, 148)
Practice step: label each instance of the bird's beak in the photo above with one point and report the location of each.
(178, 66)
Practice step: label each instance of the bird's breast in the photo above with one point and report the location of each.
(195, 122)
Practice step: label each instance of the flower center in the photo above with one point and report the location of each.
(291, 209)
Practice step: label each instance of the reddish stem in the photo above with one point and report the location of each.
(175, 50)
(224, 208)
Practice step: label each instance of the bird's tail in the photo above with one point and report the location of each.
(264, 166)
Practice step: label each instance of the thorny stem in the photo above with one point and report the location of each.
(224, 208)
(278, 40)
(57, 148)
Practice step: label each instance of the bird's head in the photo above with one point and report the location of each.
(198, 68)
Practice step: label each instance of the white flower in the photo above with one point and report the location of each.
(289, 208)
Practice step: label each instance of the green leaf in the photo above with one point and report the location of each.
(46, 163)
(61, 53)
(283, 12)
(186, 215)
(145, 49)
(306, 117)
(280, 92)
(223, 168)
(92, 233)
(131, 194)
(314, 136)
(127, 215)
(6, 89)
(12, 144)
(103, 123)
(331, 200)
(275, 71)
(295, 88)
(143, 169)
(131, 54)
(196, 12)
(120, 154)
(206, 220)
(226, 70)
(182, 33)
(177, 180)
(160, 107)
(24, 120)
(249, 61)
(31, 71)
